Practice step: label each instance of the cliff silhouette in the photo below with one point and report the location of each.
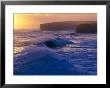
(87, 28)
(78, 26)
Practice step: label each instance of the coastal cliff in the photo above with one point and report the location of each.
(87, 28)
(77, 26)
(57, 26)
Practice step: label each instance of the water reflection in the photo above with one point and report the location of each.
(18, 49)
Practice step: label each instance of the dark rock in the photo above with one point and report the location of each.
(87, 28)
(76, 26)
(58, 26)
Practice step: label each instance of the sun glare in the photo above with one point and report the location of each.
(25, 21)
(32, 21)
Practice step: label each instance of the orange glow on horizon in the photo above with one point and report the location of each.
(32, 21)
(25, 21)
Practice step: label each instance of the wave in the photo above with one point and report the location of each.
(42, 61)
(56, 42)
(55, 53)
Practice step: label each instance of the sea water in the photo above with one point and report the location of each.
(55, 53)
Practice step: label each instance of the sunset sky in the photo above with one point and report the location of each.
(33, 21)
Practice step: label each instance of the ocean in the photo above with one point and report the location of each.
(54, 53)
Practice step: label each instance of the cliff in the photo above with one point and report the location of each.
(78, 26)
(58, 26)
(87, 28)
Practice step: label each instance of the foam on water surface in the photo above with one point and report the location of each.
(55, 53)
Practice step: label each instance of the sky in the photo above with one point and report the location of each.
(32, 21)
